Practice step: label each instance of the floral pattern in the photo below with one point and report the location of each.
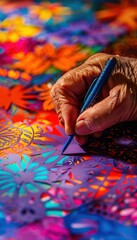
(43, 57)
(44, 194)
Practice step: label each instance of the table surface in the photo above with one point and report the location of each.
(89, 193)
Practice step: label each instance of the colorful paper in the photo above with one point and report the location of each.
(89, 191)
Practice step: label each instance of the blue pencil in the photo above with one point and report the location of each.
(93, 91)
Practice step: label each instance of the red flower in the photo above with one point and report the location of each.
(16, 95)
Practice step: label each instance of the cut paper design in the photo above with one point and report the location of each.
(83, 178)
(88, 190)
(29, 209)
(42, 230)
(126, 207)
(96, 34)
(20, 138)
(44, 94)
(57, 142)
(84, 225)
(10, 78)
(21, 175)
(64, 187)
(9, 136)
(42, 79)
(47, 11)
(124, 14)
(16, 95)
(43, 57)
(21, 29)
(10, 49)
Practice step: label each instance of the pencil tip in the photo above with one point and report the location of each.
(63, 149)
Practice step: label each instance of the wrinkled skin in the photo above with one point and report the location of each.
(116, 103)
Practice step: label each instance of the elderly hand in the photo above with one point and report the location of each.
(117, 101)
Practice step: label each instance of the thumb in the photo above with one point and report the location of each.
(102, 115)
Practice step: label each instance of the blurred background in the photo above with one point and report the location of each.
(39, 42)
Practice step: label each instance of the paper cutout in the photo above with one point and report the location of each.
(38, 43)
(57, 141)
(64, 187)
(21, 29)
(125, 14)
(29, 209)
(47, 11)
(75, 148)
(19, 138)
(42, 230)
(21, 175)
(16, 95)
(82, 224)
(43, 57)
(44, 94)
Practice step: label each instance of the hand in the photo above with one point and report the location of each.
(117, 101)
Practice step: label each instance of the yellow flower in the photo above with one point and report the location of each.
(17, 28)
(20, 138)
(45, 11)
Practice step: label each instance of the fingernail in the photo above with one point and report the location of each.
(80, 128)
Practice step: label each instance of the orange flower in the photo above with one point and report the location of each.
(124, 13)
(44, 95)
(63, 58)
(16, 95)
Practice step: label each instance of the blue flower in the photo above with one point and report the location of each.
(21, 175)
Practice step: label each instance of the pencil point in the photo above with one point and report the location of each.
(67, 143)
(62, 152)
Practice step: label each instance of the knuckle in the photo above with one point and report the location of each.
(125, 66)
(99, 56)
(67, 77)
